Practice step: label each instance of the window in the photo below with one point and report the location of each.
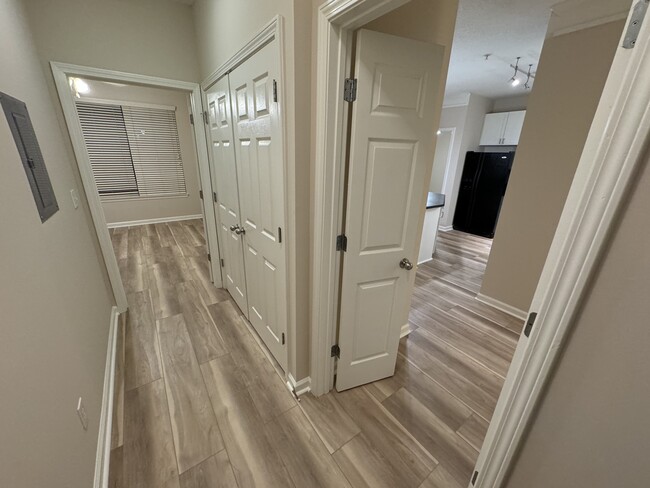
(134, 150)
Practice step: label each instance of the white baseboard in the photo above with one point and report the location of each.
(131, 223)
(406, 330)
(102, 460)
(446, 228)
(504, 307)
(425, 260)
(298, 387)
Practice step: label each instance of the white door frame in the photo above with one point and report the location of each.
(273, 30)
(445, 178)
(61, 72)
(613, 153)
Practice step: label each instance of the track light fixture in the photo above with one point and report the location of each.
(514, 81)
(527, 85)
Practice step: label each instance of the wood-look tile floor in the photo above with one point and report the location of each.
(198, 402)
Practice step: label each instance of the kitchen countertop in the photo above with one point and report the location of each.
(435, 200)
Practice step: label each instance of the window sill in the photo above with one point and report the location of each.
(111, 199)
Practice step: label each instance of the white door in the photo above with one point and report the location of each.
(513, 127)
(391, 153)
(224, 180)
(493, 127)
(260, 171)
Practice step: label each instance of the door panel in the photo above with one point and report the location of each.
(224, 180)
(493, 128)
(391, 152)
(513, 127)
(260, 174)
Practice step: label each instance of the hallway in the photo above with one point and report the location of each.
(199, 403)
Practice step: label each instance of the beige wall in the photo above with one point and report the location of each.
(155, 208)
(150, 37)
(571, 75)
(592, 427)
(510, 104)
(54, 296)
(222, 28)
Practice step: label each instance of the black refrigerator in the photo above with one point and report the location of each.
(482, 187)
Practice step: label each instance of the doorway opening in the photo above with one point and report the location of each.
(142, 162)
(485, 336)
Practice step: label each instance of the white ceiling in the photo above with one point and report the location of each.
(503, 28)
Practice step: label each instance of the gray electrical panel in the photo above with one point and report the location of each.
(30, 154)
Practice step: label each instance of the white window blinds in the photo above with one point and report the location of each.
(134, 150)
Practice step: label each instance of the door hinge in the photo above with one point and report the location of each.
(192, 119)
(636, 21)
(201, 194)
(283, 338)
(275, 91)
(209, 257)
(222, 264)
(279, 234)
(206, 118)
(214, 196)
(341, 243)
(350, 90)
(529, 323)
(336, 351)
(474, 477)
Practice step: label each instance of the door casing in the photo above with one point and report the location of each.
(61, 72)
(612, 154)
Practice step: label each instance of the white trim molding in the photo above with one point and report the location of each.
(446, 228)
(404, 331)
(456, 100)
(298, 388)
(336, 21)
(161, 220)
(102, 458)
(574, 15)
(61, 72)
(269, 32)
(503, 306)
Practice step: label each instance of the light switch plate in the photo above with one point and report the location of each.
(75, 198)
(81, 411)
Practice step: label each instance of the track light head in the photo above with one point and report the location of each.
(514, 81)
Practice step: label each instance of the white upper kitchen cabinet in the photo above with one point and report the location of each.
(502, 129)
(493, 128)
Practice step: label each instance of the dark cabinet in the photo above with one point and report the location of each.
(482, 187)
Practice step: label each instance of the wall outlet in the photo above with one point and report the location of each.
(75, 198)
(81, 411)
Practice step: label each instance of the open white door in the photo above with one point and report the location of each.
(260, 173)
(226, 200)
(391, 153)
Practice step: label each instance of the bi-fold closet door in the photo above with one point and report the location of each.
(248, 176)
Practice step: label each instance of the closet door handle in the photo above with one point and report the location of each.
(240, 230)
(234, 228)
